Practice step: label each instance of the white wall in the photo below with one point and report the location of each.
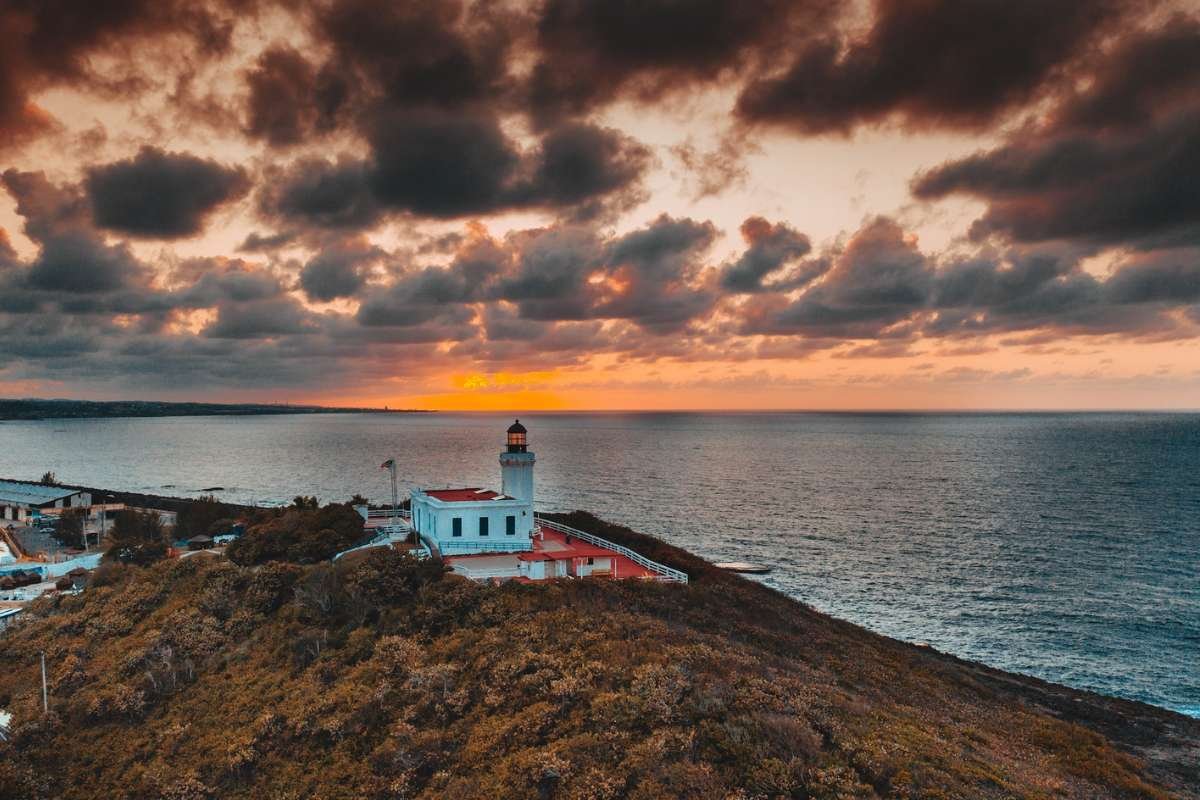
(435, 520)
(516, 475)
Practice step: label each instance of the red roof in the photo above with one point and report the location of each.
(574, 550)
(462, 495)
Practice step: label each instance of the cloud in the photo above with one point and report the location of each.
(881, 287)
(943, 63)
(578, 163)
(338, 271)
(46, 43)
(321, 194)
(289, 100)
(441, 165)
(1109, 165)
(72, 257)
(591, 52)
(161, 195)
(441, 53)
(769, 249)
(880, 279)
(261, 319)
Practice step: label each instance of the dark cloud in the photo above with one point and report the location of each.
(880, 279)
(161, 195)
(338, 271)
(1140, 77)
(938, 63)
(44, 43)
(592, 51)
(72, 257)
(289, 100)
(422, 295)
(650, 276)
(321, 194)
(211, 282)
(1107, 187)
(577, 163)
(552, 266)
(769, 249)
(1171, 276)
(256, 242)
(438, 53)
(881, 287)
(261, 319)
(1108, 165)
(437, 164)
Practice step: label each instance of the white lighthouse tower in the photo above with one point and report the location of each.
(516, 465)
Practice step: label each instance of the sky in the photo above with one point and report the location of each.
(602, 204)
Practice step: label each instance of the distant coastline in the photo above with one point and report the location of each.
(35, 409)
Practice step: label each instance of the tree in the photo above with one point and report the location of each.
(49, 479)
(68, 531)
(305, 501)
(197, 517)
(137, 537)
(359, 500)
(301, 535)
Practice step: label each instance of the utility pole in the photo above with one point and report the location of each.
(45, 691)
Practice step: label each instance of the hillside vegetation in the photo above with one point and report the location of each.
(383, 677)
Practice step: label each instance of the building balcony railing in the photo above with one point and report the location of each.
(475, 546)
(662, 571)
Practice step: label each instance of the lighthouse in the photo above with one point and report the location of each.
(516, 465)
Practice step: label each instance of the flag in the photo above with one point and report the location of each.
(389, 464)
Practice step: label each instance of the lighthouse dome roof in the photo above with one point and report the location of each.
(517, 427)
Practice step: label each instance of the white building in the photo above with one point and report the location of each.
(20, 502)
(472, 520)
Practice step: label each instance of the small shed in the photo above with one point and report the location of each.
(200, 543)
(78, 577)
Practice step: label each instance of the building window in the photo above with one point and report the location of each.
(456, 526)
(591, 561)
(483, 526)
(510, 525)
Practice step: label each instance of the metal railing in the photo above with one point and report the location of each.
(476, 546)
(664, 573)
(474, 573)
(384, 534)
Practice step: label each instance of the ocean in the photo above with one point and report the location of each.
(1065, 546)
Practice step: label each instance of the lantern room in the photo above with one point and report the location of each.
(516, 438)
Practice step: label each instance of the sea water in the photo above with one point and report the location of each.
(1065, 546)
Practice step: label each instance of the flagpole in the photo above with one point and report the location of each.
(395, 497)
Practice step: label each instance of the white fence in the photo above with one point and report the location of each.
(394, 527)
(479, 574)
(664, 573)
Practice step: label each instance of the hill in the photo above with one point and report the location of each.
(381, 677)
(11, 409)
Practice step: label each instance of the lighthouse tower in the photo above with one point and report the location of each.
(516, 465)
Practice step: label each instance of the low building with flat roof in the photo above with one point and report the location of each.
(21, 502)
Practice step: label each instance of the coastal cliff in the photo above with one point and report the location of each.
(382, 677)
